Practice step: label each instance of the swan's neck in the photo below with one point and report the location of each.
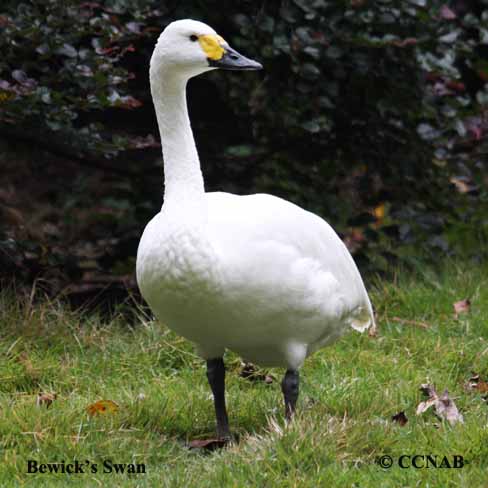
(183, 180)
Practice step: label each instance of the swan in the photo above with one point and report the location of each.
(254, 274)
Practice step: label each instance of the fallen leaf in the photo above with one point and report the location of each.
(250, 373)
(102, 407)
(46, 399)
(424, 406)
(208, 444)
(477, 384)
(248, 370)
(445, 408)
(463, 306)
(400, 418)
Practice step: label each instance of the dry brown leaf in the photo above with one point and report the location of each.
(475, 383)
(424, 406)
(400, 418)
(208, 444)
(445, 408)
(102, 407)
(44, 398)
(482, 387)
(249, 372)
(463, 306)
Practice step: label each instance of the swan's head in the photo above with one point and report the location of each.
(189, 47)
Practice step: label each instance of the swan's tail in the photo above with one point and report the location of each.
(362, 318)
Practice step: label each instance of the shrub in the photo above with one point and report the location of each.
(371, 114)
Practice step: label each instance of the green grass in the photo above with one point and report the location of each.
(348, 394)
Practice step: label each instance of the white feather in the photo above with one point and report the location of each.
(255, 274)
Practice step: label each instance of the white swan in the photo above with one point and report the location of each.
(255, 274)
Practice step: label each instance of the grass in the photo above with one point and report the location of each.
(349, 393)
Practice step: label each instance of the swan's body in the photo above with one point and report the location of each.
(257, 275)
(254, 274)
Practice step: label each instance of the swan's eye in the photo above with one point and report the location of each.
(193, 38)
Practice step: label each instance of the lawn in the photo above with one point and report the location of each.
(349, 393)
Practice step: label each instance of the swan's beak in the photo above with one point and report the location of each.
(232, 60)
(221, 55)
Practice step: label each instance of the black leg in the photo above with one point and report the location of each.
(289, 387)
(216, 379)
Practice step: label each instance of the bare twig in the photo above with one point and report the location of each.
(416, 323)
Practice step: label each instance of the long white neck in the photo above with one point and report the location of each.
(183, 180)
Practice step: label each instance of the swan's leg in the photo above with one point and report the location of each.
(289, 387)
(216, 379)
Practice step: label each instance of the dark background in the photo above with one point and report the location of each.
(372, 114)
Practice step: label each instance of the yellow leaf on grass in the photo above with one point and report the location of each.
(102, 407)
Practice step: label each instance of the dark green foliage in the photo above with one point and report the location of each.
(62, 61)
(372, 114)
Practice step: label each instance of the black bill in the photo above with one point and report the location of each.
(234, 61)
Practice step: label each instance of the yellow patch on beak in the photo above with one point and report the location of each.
(212, 45)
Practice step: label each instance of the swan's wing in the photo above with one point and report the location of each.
(270, 236)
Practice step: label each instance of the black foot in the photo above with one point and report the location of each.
(216, 379)
(289, 387)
